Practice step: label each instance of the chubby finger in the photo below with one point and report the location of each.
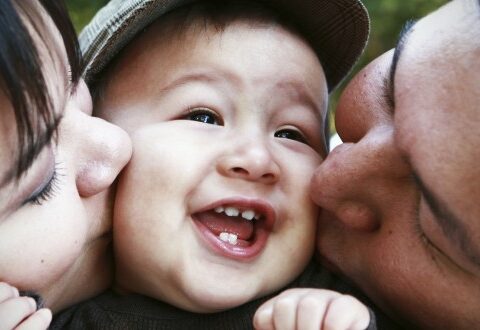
(39, 320)
(263, 320)
(14, 310)
(285, 312)
(346, 312)
(280, 312)
(7, 291)
(310, 312)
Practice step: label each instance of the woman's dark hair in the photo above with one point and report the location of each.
(21, 76)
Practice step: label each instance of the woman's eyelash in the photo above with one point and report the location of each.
(49, 190)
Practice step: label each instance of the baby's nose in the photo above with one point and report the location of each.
(249, 159)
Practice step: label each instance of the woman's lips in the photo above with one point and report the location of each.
(228, 227)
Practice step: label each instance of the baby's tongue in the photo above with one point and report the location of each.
(219, 222)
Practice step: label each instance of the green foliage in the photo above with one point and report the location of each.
(387, 18)
(81, 11)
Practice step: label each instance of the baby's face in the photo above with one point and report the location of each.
(213, 209)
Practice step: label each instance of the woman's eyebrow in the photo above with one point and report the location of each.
(453, 228)
(31, 153)
(402, 40)
(6, 178)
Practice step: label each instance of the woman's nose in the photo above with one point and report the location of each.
(82, 98)
(106, 151)
(249, 159)
(97, 149)
(357, 179)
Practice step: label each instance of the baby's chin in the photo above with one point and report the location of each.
(210, 301)
(206, 295)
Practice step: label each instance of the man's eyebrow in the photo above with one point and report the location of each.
(402, 40)
(452, 227)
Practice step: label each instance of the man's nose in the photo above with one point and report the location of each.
(358, 179)
(250, 158)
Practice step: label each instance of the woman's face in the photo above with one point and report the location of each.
(401, 197)
(55, 220)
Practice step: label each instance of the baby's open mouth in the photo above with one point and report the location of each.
(236, 229)
(231, 224)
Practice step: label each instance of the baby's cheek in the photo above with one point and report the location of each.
(144, 186)
(164, 160)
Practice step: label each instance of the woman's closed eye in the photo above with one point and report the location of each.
(47, 190)
(203, 115)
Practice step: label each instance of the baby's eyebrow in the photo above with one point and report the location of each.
(297, 90)
(204, 76)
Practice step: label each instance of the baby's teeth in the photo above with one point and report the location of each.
(232, 239)
(219, 209)
(249, 214)
(229, 238)
(224, 236)
(231, 211)
(257, 216)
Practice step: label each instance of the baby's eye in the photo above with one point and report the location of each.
(203, 115)
(291, 134)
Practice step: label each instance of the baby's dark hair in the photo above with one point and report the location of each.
(201, 17)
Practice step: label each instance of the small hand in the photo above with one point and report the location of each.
(21, 313)
(312, 309)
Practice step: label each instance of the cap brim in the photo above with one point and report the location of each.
(337, 30)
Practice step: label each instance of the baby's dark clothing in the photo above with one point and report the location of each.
(113, 311)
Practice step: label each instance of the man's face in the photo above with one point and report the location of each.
(214, 208)
(401, 197)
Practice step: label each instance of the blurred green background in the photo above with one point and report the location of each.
(387, 19)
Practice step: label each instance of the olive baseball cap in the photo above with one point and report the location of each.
(336, 29)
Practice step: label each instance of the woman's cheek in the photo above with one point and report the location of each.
(40, 243)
